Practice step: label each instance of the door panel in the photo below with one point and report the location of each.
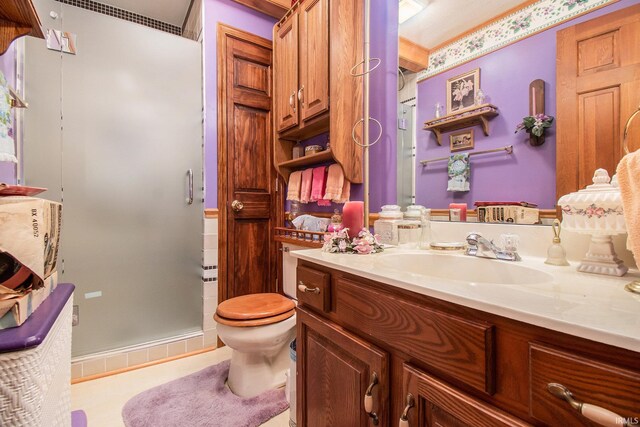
(314, 49)
(598, 87)
(285, 45)
(335, 369)
(247, 193)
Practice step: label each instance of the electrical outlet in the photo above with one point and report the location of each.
(75, 317)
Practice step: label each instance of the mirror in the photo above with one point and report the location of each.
(499, 47)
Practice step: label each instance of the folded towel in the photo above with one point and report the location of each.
(335, 183)
(321, 200)
(629, 183)
(305, 186)
(345, 194)
(459, 172)
(293, 191)
(318, 183)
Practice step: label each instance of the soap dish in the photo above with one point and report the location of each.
(448, 246)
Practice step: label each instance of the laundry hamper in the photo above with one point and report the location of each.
(35, 366)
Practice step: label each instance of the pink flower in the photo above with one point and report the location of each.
(599, 212)
(364, 248)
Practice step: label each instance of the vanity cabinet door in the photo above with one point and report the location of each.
(433, 402)
(313, 93)
(285, 74)
(335, 371)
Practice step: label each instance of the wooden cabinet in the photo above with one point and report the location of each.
(18, 18)
(337, 373)
(461, 366)
(314, 90)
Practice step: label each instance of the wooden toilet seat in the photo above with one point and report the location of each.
(254, 310)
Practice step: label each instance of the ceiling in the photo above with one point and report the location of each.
(169, 11)
(442, 20)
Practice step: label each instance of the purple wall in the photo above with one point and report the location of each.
(241, 17)
(529, 173)
(384, 103)
(8, 68)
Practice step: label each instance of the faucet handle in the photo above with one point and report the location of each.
(510, 242)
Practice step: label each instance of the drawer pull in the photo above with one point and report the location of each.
(368, 399)
(292, 99)
(304, 288)
(594, 413)
(404, 418)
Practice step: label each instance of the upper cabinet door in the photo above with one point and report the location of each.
(285, 74)
(313, 92)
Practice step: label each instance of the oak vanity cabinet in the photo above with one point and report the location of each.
(441, 364)
(316, 46)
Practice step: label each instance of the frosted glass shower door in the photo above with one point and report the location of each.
(131, 132)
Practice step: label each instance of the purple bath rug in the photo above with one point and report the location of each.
(201, 400)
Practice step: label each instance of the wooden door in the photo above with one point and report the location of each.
(247, 179)
(335, 369)
(435, 403)
(285, 46)
(314, 52)
(598, 87)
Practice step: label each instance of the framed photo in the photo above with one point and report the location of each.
(461, 91)
(461, 140)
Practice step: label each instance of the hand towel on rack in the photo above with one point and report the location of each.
(345, 194)
(628, 173)
(459, 171)
(293, 190)
(318, 183)
(335, 183)
(305, 186)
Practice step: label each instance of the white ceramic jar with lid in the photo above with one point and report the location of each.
(387, 226)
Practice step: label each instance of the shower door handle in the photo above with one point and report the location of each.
(190, 185)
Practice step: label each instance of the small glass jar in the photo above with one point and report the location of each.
(409, 233)
(336, 222)
(387, 226)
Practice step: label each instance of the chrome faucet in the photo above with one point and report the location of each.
(481, 247)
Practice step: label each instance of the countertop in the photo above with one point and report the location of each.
(590, 306)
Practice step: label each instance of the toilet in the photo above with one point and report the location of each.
(258, 328)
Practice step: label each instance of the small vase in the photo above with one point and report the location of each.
(535, 141)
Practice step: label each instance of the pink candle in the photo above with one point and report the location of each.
(463, 210)
(353, 217)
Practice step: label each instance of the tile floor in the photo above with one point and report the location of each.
(103, 399)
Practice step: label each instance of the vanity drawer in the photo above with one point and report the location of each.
(455, 347)
(590, 381)
(313, 288)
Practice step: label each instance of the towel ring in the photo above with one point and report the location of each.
(353, 69)
(353, 133)
(625, 145)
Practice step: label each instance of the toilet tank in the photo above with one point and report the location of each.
(289, 264)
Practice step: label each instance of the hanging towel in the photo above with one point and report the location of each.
(293, 191)
(305, 186)
(7, 145)
(345, 194)
(629, 183)
(459, 172)
(335, 183)
(318, 183)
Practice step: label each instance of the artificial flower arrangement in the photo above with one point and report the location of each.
(339, 242)
(535, 125)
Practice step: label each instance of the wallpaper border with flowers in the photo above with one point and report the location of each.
(523, 23)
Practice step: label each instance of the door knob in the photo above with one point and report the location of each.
(237, 205)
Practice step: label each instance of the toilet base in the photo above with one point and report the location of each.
(253, 373)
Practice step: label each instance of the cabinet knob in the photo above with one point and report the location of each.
(237, 205)
(304, 288)
(292, 100)
(404, 418)
(368, 400)
(595, 413)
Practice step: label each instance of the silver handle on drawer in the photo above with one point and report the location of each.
(404, 418)
(304, 288)
(368, 399)
(595, 413)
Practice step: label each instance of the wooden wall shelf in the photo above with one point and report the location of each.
(18, 18)
(307, 239)
(312, 159)
(478, 116)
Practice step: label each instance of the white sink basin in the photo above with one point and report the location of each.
(464, 268)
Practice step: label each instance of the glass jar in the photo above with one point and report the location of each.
(387, 226)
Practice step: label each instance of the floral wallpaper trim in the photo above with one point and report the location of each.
(523, 23)
(592, 210)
